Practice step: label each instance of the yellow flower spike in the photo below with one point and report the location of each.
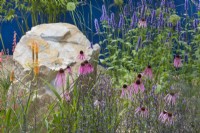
(36, 68)
(36, 50)
(12, 76)
(33, 48)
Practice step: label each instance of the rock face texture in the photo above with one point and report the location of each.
(59, 45)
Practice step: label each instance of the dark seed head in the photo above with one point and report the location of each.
(68, 67)
(149, 66)
(81, 52)
(164, 112)
(178, 56)
(169, 114)
(138, 82)
(143, 19)
(143, 108)
(61, 71)
(86, 62)
(172, 94)
(82, 64)
(139, 76)
(124, 86)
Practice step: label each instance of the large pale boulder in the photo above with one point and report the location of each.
(59, 46)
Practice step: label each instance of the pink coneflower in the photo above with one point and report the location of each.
(139, 77)
(177, 61)
(138, 85)
(125, 92)
(88, 67)
(67, 97)
(142, 111)
(148, 72)
(170, 119)
(60, 78)
(81, 55)
(142, 23)
(163, 116)
(82, 70)
(171, 98)
(69, 70)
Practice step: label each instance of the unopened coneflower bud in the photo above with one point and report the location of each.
(12, 76)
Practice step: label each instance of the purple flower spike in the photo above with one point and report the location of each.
(131, 5)
(178, 26)
(195, 24)
(162, 3)
(112, 20)
(104, 16)
(121, 21)
(126, 12)
(153, 16)
(186, 5)
(96, 23)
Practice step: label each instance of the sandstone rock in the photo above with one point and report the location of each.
(59, 46)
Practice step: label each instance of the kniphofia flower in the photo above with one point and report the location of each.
(81, 55)
(171, 98)
(148, 72)
(138, 85)
(60, 78)
(177, 61)
(142, 23)
(142, 111)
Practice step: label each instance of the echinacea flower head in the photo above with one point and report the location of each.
(142, 112)
(163, 116)
(171, 98)
(177, 61)
(170, 119)
(125, 92)
(69, 70)
(67, 97)
(82, 70)
(88, 67)
(60, 78)
(138, 85)
(81, 55)
(142, 23)
(139, 76)
(148, 72)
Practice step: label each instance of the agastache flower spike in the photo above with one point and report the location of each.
(186, 5)
(96, 24)
(138, 43)
(153, 16)
(121, 21)
(126, 12)
(112, 19)
(130, 5)
(104, 16)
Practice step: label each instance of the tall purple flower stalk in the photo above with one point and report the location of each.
(104, 16)
(96, 24)
(121, 21)
(195, 24)
(112, 20)
(186, 5)
(130, 3)
(162, 3)
(178, 26)
(126, 12)
(153, 16)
